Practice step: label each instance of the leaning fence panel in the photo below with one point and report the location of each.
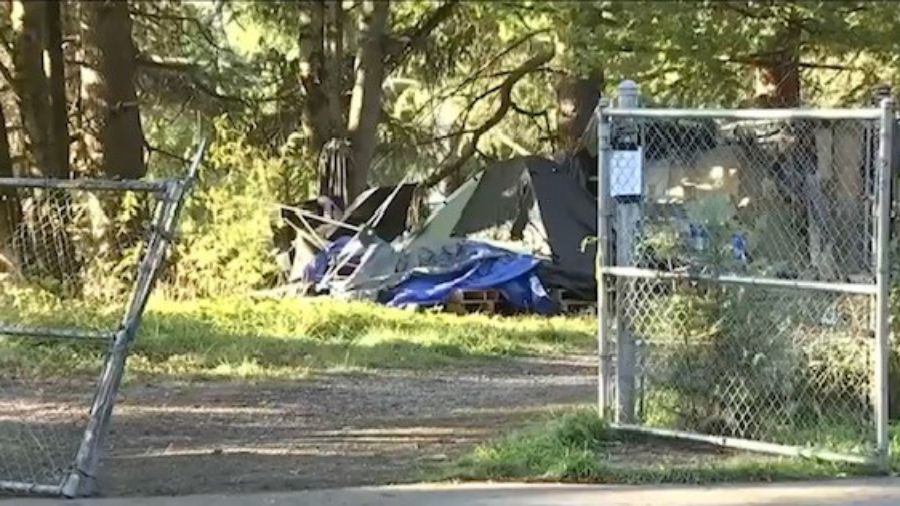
(744, 279)
(70, 260)
(77, 263)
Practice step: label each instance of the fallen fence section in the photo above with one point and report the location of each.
(78, 262)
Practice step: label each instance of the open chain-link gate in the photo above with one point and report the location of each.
(79, 261)
(744, 277)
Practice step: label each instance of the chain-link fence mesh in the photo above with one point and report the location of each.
(69, 262)
(791, 367)
(742, 269)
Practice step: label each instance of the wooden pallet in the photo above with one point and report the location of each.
(474, 301)
(577, 306)
(570, 303)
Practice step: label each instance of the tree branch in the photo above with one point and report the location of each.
(745, 12)
(766, 58)
(497, 57)
(453, 165)
(415, 38)
(477, 74)
(525, 112)
(189, 71)
(168, 154)
(158, 18)
(827, 66)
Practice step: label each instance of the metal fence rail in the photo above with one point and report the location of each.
(78, 261)
(744, 276)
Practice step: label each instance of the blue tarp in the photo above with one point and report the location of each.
(315, 270)
(476, 266)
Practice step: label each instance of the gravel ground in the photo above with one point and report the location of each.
(332, 431)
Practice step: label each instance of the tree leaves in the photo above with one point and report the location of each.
(446, 56)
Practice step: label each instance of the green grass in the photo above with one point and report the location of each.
(264, 338)
(580, 447)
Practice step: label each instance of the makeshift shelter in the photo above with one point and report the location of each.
(313, 238)
(517, 226)
(531, 211)
(528, 204)
(387, 223)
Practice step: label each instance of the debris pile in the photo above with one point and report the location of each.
(517, 228)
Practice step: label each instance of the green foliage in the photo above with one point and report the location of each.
(564, 448)
(227, 225)
(726, 360)
(712, 62)
(722, 357)
(241, 63)
(668, 241)
(580, 447)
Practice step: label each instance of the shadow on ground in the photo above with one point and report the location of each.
(331, 431)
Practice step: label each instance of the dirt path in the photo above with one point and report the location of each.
(325, 432)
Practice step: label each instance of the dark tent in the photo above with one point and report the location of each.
(569, 212)
(535, 204)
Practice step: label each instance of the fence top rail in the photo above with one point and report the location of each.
(747, 114)
(85, 184)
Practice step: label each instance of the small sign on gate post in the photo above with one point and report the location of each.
(626, 173)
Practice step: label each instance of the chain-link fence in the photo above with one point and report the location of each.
(744, 277)
(78, 259)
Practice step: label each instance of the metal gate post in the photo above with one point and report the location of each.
(604, 312)
(627, 220)
(883, 273)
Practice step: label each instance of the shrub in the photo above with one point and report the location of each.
(226, 234)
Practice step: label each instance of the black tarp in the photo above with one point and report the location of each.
(390, 225)
(569, 213)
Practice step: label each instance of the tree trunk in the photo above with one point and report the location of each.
(365, 103)
(5, 158)
(10, 214)
(31, 83)
(58, 123)
(321, 118)
(576, 99)
(322, 76)
(40, 85)
(781, 77)
(333, 69)
(779, 71)
(807, 160)
(112, 133)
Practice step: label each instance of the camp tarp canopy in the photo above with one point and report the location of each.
(528, 203)
(442, 222)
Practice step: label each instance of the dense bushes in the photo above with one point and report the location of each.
(226, 233)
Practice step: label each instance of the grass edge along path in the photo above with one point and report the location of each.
(578, 447)
(247, 338)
